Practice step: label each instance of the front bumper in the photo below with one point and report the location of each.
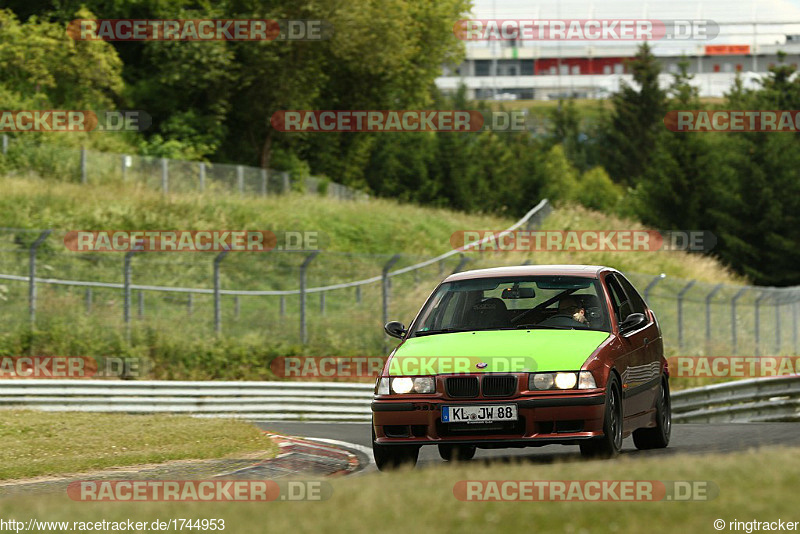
(542, 420)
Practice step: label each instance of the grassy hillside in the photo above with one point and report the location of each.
(176, 332)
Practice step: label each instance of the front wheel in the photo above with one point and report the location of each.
(610, 443)
(388, 457)
(658, 436)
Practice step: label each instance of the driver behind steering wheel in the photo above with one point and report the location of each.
(572, 307)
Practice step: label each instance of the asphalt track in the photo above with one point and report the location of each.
(686, 438)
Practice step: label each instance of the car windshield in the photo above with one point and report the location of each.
(520, 302)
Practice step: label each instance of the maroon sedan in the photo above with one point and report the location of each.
(524, 356)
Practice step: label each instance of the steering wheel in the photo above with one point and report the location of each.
(518, 318)
(562, 319)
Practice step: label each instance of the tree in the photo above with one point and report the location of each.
(636, 123)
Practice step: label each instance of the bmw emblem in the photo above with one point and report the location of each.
(481, 365)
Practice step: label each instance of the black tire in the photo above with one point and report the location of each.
(658, 436)
(459, 453)
(610, 443)
(389, 457)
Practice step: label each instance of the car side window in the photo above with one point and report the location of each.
(616, 296)
(636, 300)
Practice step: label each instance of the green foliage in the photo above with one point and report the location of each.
(636, 124)
(597, 191)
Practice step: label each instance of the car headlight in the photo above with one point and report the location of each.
(382, 387)
(402, 384)
(541, 381)
(586, 380)
(566, 380)
(561, 380)
(406, 384)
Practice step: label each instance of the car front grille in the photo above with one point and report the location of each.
(462, 387)
(499, 386)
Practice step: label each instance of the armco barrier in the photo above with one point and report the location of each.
(275, 401)
(757, 400)
(742, 401)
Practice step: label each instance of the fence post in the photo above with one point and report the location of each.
(141, 304)
(708, 313)
(322, 302)
(5, 144)
(32, 275)
(164, 175)
(652, 284)
(88, 300)
(189, 304)
(303, 268)
(733, 316)
(264, 180)
(761, 297)
(358, 294)
(794, 326)
(240, 179)
(681, 293)
(385, 289)
(286, 184)
(126, 300)
(462, 262)
(217, 303)
(441, 267)
(236, 307)
(202, 177)
(123, 161)
(777, 325)
(283, 306)
(83, 165)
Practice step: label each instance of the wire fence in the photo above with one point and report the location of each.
(79, 165)
(304, 296)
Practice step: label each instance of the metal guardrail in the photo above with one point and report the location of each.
(757, 400)
(742, 401)
(270, 401)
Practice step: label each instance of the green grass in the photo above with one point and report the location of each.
(358, 238)
(423, 500)
(44, 443)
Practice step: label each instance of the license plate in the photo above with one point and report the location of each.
(479, 414)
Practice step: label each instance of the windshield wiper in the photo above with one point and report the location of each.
(542, 326)
(439, 331)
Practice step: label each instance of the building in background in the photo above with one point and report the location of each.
(751, 36)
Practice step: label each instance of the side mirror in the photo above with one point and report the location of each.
(632, 322)
(395, 329)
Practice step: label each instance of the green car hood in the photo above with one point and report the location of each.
(496, 351)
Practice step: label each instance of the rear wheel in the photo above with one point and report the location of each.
(610, 443)
(388, 457)
(658, 436)
(462, 453)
